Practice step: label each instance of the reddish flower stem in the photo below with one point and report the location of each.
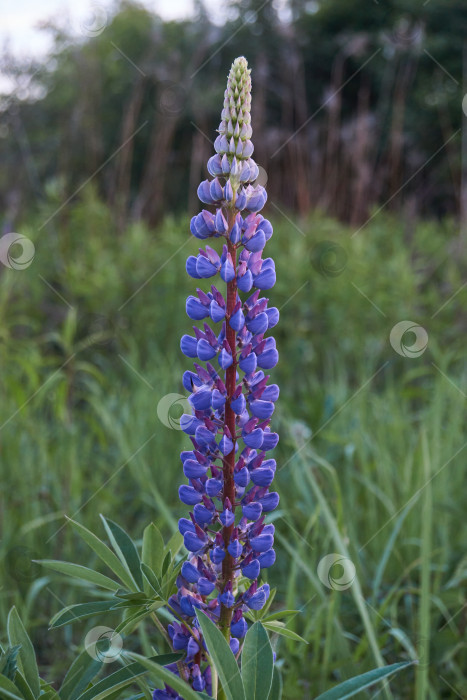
(229, 460)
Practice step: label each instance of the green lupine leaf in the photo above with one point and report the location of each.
(269, 601)
(23, 686)
(125, 550)
(152, 579)
(153, 549)
(8, 661)
(116, 694)
(114, 683)
(175, 543)
(47, 692)
(126, 604)
(279, 628)
(80, 572)
(169, 580)
(105, 554)
(128, 625)
(351, 687)
(81, 672)
(9, 691)
(222, 657)
(257, 663)
(166, 563)
(157, 669)
(26, 657)
(131, 598)
(279, 614)
(123, 677)
(276, 688)
(80, 611)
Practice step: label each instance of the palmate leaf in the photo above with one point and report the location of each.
(174, 544)
(123, 677)
(257, 663)
(23, 686)
(136, 601)
(132, 621)
(280, 628)
(153, 550)
(351, 687)
(276, 688)
(170, 578)
(26, 657)
(8, 689)
(47, 692)
(8, 661)
(125, 549)
(105, 555)
(80, 611)
(158, 670)
(163, 585)
(114, 683)
(80, 572)
(152, 579)
(81, 672)
(222, 657)
(135, 598)
(166, 563)
(279, 614)
(127, 604)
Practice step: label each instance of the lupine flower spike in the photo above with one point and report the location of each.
(228, 470)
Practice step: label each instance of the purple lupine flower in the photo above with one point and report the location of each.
(228, 472)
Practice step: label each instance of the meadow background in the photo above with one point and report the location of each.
(357, 119)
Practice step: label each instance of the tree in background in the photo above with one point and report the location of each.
(358, 102)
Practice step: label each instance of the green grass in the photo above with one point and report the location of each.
(371, 458)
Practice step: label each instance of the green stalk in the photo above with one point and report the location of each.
(421, 677)
(342, 549)
(163, 631)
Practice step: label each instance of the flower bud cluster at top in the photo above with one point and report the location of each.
(229, 470)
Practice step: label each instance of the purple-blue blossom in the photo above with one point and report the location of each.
(228, 470)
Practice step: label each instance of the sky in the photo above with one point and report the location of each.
(21, 35)
(19, 19)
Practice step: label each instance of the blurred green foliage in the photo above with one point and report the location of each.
(89, 346)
